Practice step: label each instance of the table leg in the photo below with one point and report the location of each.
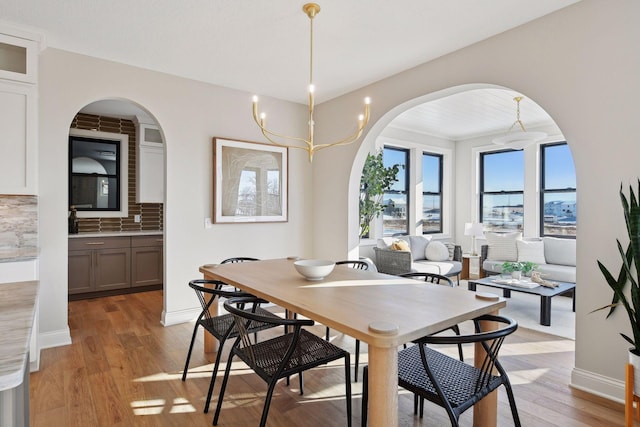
(545, 311)
(485, 412)
(383, 386)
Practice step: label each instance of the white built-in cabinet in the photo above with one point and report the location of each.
(150, 164)
(18, 112)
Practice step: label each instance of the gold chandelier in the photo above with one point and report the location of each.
(311, 10)
(521, 138)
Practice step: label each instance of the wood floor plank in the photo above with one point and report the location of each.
(124, 369)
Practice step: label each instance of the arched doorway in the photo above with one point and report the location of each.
(121, 203)
(458, 125)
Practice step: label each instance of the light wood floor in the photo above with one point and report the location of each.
(124, 369)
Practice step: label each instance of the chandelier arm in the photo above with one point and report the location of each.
(266, 132)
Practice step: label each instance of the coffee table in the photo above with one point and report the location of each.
(545, 293)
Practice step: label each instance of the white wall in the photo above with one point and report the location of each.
(581, 64)
(190, 114)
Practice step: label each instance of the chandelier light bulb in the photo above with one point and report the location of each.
(367, 100)
(312, 88)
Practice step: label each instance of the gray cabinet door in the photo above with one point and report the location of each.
(112, 269)
(80, 271)
(146, 266)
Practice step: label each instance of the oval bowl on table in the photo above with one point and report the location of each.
(314, 269)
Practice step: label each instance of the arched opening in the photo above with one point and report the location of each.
(120, 204)
(458, 126)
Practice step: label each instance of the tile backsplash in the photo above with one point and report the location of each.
(18, 221)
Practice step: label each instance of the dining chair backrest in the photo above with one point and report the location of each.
(357, 264)
(238, 259)
(207, 295)
(430, 277)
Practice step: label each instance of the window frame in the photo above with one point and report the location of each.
(406, 192)
(123, 165)
(543, 190)
(482, 193)
(440, 158)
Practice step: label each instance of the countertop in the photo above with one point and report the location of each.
(118, 234)
(17, 311)
(24, 253)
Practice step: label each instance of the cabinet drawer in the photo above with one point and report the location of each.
(143, 241)
(84, 243)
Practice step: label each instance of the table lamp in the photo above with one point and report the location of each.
(473, 229)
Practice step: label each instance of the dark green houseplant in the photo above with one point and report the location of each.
(375, 181)
(628, 273)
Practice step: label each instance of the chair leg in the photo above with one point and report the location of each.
(512, 404)
(193, 339)
(213, 377)
(415, 404)
(300, 380)
(327, 334)
(357, 360)
(222, 389)
(365, 395)
(456, 329)
(347, 382)
(267, 402)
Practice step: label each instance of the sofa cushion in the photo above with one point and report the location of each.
(445, 268)
(560, 251)
(531, 250)
(436, 251)
(502, 246)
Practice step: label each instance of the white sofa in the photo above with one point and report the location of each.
(556, 257)
(424, 256)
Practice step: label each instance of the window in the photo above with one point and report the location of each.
(98, 173)
(557, 190)
(397, 198)
(502, 190)
(431, 193)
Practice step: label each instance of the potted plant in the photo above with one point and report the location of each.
(375, 181)
(628, 274)
(517, 269)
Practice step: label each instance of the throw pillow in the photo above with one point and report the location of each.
(502, 246)
(437, 251)
(400, 245)
(418, 246)
(560, 251)
(531, 250)
(385, 243)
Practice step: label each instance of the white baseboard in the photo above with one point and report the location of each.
(602, 386)
(54, 339)
(181, 316)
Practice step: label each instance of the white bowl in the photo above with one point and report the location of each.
(314, 269)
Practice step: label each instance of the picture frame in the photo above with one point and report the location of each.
(250, 182)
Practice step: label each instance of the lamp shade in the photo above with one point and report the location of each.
(474, 229)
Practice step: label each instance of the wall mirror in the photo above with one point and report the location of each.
(98, 172)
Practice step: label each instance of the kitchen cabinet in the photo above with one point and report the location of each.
(117, 264)
(18, 113)
(146, 260)
(150, 165)
(99, 264)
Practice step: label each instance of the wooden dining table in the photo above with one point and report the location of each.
(382, 310)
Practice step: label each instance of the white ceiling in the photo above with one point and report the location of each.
(263, 46)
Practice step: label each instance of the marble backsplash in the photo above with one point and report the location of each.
(18, 222)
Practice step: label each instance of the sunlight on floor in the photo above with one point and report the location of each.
(180, 405)
(526, 376)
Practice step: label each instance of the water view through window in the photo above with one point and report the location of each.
(557, 190)
(396, 200)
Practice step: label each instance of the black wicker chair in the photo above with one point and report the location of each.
(222, 327)
(450, 383)
(238, 259)
(279, 357)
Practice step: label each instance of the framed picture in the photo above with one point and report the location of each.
(250, 182)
